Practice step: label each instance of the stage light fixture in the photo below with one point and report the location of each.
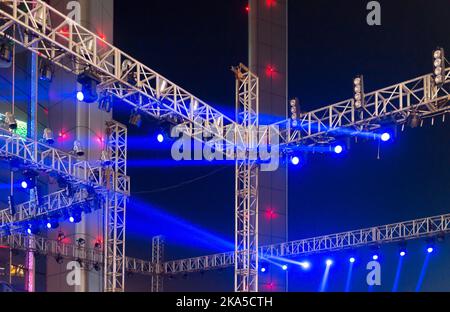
(81, 242)
(33, 229)
(305, 265)
(106, 103)
(402, 253)
(295, 160)
(135, 119)
(358, 84)
(48, 136)
(329, 262)
(284, 267)
(89, 81)
(439, 66)
(59, 259)
(29, 180)
(77, 148)
(97, 267)
(430, 249)
(10, 121)
(160, 138)
(352, 260)
(263, 270)
(53, 224)
(338, 149)
(375, 257)
(414, 120)
(6, 53)
(294, 106)
(385, 137)
(61, 236)
(46, 71)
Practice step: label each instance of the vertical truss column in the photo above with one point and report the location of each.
(157, 261)
(247, 170)
(115, 212)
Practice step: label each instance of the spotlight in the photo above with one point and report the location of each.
(352, 260)
(71, 219)
(414, 120)
(305, 265)
(402, 253)
(358, 84)
(295, 160)
(97, 266)
(98, 245)
(10, 121)
(33, 229)
(49, 225)
(29, 181)
(48, 136)
(329, 262)
(295, 111)
(46, 71)
(5, 53)
(263, 270)
(375, 257)
(80, 96)
(160, 138)
(385, 137)
(24, 185)
(439, 66)
(284, 267)
(430, 250)
(106, 103)
(338, 149)
(78, 149)
(81, 242)
(135, 119)
(52, 224)
(89, 82)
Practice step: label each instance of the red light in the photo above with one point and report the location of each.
(64, 32)
(270, 214)
(271, 3)
(270, 70)
(4, 247)
(247, 8)
(102, 36)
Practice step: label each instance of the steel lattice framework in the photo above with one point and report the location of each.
(157, 260)
(379, 235)
(418, 95)
(44, 157)
(246, 227)
(115, 212)
(52, 35)
(49, 204)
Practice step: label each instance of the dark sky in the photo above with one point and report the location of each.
(194, 42)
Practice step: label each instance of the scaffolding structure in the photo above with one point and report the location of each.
(49, 34)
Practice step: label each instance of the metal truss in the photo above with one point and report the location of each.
(419, 96)
(246, 192)
(43, 157)
(397, 232)
(49, 204)
(52, 35)
(115, 212)
(157, 260)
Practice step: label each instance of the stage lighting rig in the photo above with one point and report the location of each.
(89, 82)
(78, 149)
(135, 118)
(414, 120)
(46, 70)
(439, 67)
(5, 53)
(106, 103)
(358, 84)
(29, 181)
(10, 121)
(294, 106)
(61, 236)
(48, 136)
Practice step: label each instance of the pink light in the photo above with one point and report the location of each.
(270, 214)
(270, 70)
(247, 8)
(271, 3)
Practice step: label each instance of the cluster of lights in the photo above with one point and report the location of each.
(295, 111)
(89, 82)
(439, 66)
(358, 84)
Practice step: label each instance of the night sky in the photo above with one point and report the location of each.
(193, 43)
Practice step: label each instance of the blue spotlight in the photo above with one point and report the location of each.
(24, 185)
(305, 265)
(80, 96)
(430, 250)
(329, 262)
(295, 161)
(284, 267)
(263, 270)
(375, 257)
(352, 260)
(402, 253)
(49, 225)
(338, 149)
(385, 137)
(71, 219)
(29, 231)
(160, 138)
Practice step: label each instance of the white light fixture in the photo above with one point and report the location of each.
(439, 66)
(48, 136)
(10, 120)
(77, 148)
(358, 83)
